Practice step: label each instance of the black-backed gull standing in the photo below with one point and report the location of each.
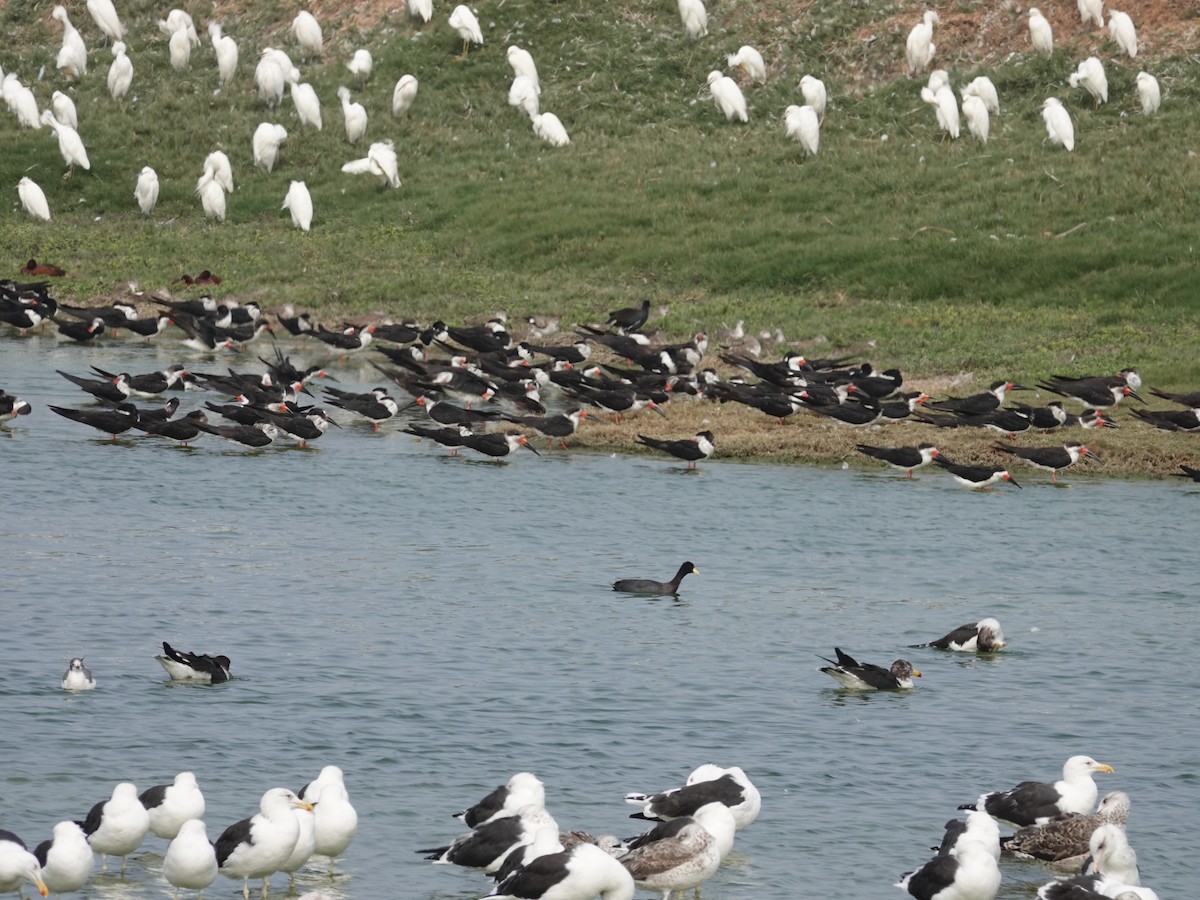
(978, 826)
(18, 865)
(170, 805)
(256, 847)
(686, 858)
(117, 826)
(581, 873)
(335, 819)
(522, 789)
(546, 840)
(191, 859)
(969, 873)
(850, 673)
(1112, 855)
(1036, 802)
(78, 677)
(706, 784)
(488, 845)
(306, 845)
(1065, 840)
(66, 859)
(1094, 887)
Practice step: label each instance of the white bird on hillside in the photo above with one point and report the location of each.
(549, 128)
(1058, 123)
(750, 61)
(146, 192)
(380, 161)
(120, 73)
(1091, 75)
(1121, 30)
(104, 14)
(179, 47)
(464, 22)
(975, 111)
(1040, 33)
(64, 109)
(522, 64)
(308, 107)
(694, 17)
(307, 31)
(919, 48)
(69, 144)
(21, 101)
(421, 9)
(270, 80)
(179, 20)
(813, 90)
(72, 58)
(728, 96)
(403, 95)
(211, 194)
(946, 105)
(33, 199)
(1148, 93)
(227, 53)
(938, 78)
(1092, 11)
(299, 202)
(222, 170)
(983, 88)
(523, 94)
(267, 138)
(360, 65)
(804, 125)
(355, 115)
(290, 73)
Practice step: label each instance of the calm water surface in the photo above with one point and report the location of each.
(433, 625)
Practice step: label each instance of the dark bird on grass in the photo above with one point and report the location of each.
(690, 449)
(1044, 418)
(572, 353)
(81, 332)
(184, 666)
(110, 421)
(1050, 459)
(879, 387)
(904, 458)
(980, 477)
(904, 405)
(184, 429)
(617, 402)
(1009, 422)
(561, 426)
(856, 415)
(629, 318)
(1171, 420)
(850, 673)
(976, 404)
(655, 588)
(33, 267)
(1192, 400)
(1096, 393)
(1090, 418)
(1188, 472)
(624, 345)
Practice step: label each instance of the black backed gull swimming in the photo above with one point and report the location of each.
(581, 873)
(1036, 803)
(18, 865)
(979, 827)
(969, 873)
(191, 859)
(522, 789)
(78, 677)
(184, 666)
(1065, 840)
(335, 819)
(256, 847)
(170, 805)
(984, 636)
(1094, 887)
(488, 845)
(66, 859)
(1112, 855)
(850, 673)
(707, 784)
(117, 826)
(545, 841)
(688, 857)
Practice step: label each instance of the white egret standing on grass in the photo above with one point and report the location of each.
(270, 80)
(218, 161)
(267, 138)
(307, 31)
(549, 128)
(403, 95)
(227, 53)
(180, 49)
(380, 161)
(421, 9)
(299, 203)
(946, 105)
(750, 61)
(1040, 33)
(919, 48)
(64, 109)
(355, 115)
(1091, 75)
(938, 78)
(360, 65)
(211, 194)
(522, 63)
(72, 57)
(728, 96)
(21, 101)
(33, 199)
(804, 125)
(464, 22)
(104, 14)
(179, 20)
(1058, 123)
(694, 17)
(975, 111)
(308, 107)
(1121, 30)
(146, 192)
(1092, 11)
(813, 90)
(983, 88)
(523, 94)
(120, 73)
(1148, 93)
(69, 144)
(290, 73)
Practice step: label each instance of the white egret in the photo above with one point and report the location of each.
(1092, 11)
(69, 144)
(33, 199)
(728, 96)
(360, 65)
(299, 202)
(919, 48)
(120, 73)
(179, 20)
(290, 73)
(227, 53)
(270, 80)
(355, 115)
(403, 95)
(218, 161)
(464, 22)
(72, 57)
(813, 90)
(1040, 32)
(749, 61)
(1148, 93)
(1121, 30)
(64, 109)
(946, 105)
(421, 9)
(694, 17)
(212, 195)
(104, 14)
(938, 78)
(549, 128)
(146, 192)
(522, 64)
(307, 31)
(983, 88)
(21, 101)
(1091, 75)
(1058, 123)
(308, 107)
(975, 111)
(180, 49)
(524, 95)
(380, 161)
(803, 124)
(267, 138)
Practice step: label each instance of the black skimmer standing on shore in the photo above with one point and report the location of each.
(1171, 420)
(497, 445)
(856, 415)
(1091, 418)
(978, 477)
(618, 402)
(445, 413)
(1044, 418)
(690, 449)
(78, 677)
(1191, 399)
(976, 404)
(1036, 802)
(1094, 393)
(377, 405)
(649, 587)
(1009, 422)
(984, 636)
(903, 458)
(850, 673)
(561, 426)
(629, 318)
(201, 667)
(1050, 459)
(110, 421)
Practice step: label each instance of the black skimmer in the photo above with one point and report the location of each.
(487, 338)
(683, 853)
(1188, 472)
(522, 789)
(1050, 459)
(259, 846)
(1066, 839)
(304, 425)
(1036, 802)
(201, 667)
(148, 385)
(1044, 418)
(398, 332)
(115, 388)
(561, 426)
(649, 587)
(296, 325)
(445, 413)
(1171, 420)
(258, 435)
(110, 421)
(18, 865)
(706, 784)
(202, 335)
(1191, 400)
(11, 407)
(984, 636)
(975, 404)
(626, 345)
(629, 318)
(78, 677)
(452, 437)
(571, 353)
(170, 805)
(66, 859)
(80, 332)
(184, 429)
(582, 871)
(617, 402)
(880, 387)
(348, 340)
(690, 449)
(487, 846)
(1091, 418)
(1094, 393)
(377, 405)
(24, 316)
(1010, 422)
(972, 871)
(904, 458)
(497, 445)
(850, 673)
(152, 414)
(856, 415)
(980, 477)
(117, 826)
(904, 405)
